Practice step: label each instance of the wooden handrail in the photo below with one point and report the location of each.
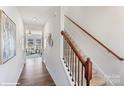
(87, 64)
(104, 46)
(65, 35)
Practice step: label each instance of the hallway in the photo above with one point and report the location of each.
(35, 73)
(75, 52)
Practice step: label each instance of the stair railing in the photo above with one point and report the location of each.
(79, 68)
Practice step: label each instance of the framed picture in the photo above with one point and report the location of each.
(7, 38)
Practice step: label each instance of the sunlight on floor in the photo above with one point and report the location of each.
(35, 72)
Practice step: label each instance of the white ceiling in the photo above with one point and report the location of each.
(35, 15)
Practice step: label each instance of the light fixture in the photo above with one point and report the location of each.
(29, 32)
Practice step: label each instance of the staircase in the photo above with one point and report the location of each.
(97, 80)
(79, 67)
(86, 74)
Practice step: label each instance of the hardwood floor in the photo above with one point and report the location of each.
(35, 74)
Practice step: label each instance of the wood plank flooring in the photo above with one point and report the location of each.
(35, 74)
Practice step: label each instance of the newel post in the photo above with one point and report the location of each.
(88, 71)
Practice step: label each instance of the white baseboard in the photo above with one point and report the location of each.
(49, 72)
(20, 72)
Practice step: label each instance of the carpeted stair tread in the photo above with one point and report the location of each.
(96, 81)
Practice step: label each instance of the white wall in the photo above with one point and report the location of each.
(52, 54)
(10, 71)
(106, 24)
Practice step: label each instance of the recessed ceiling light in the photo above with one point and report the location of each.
(34, 19)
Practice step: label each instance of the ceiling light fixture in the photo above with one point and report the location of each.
(29, 32)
